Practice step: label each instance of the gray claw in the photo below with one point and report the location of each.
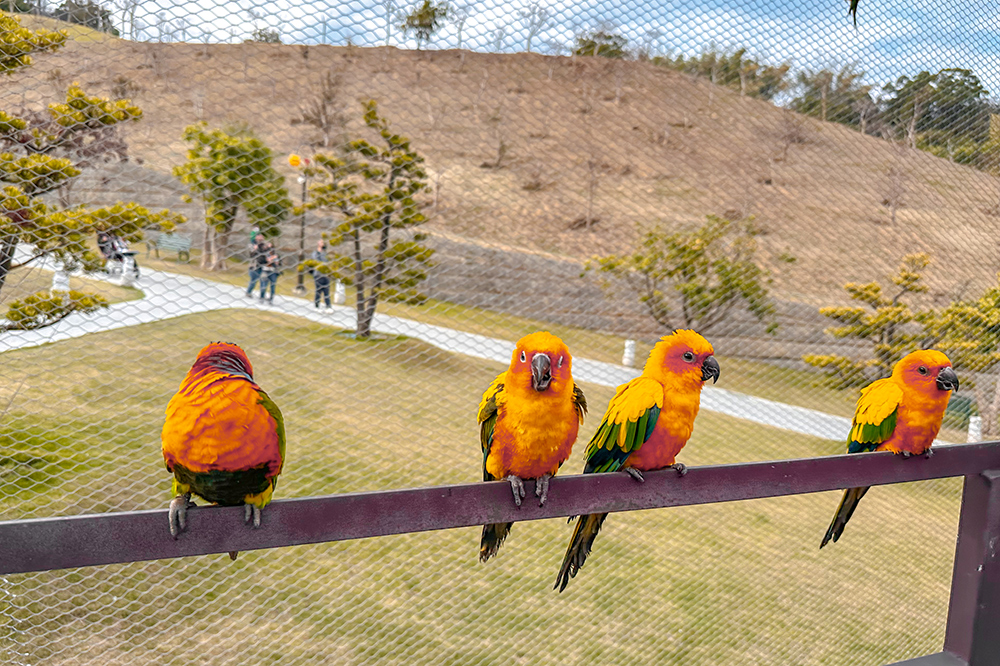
(634, 473)
(517, 486)
(251, 511)
(542, 488)
(929, 453)
(680, 467)
(905, 454)
(178, 513)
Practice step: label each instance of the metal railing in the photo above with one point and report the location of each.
(973, 632)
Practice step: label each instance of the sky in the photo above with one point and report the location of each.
(893, 37)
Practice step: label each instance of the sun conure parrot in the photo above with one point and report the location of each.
(224, 438)
(528, 421)
(901, 413)
(646, 425)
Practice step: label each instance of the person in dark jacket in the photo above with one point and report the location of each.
(269, 273)
(321, 280)
(258, 256)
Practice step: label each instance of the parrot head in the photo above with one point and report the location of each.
(927, 370)
(683, 355)
(542, 362)
(224, 357)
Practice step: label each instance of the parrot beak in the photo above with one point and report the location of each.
(947, 380)
(710, 368)
(541, 374)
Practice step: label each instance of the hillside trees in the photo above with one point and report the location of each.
(425, 20)
(230, 169)
(695, 279)
(536, 18)
(601, 43)
(948, 106)
(734, 70)
(371, 193)
(40, 153)
(838, 96)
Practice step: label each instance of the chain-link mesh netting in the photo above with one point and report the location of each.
(603, 171)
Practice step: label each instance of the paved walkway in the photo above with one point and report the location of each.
(169, 295)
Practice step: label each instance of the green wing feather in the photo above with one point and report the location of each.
(487, 423)
(579, 401)
(606, 454)
(873, 434)
(275, 413)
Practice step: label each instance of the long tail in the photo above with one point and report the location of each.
(586, 531)
(844, 512)
(493, 536)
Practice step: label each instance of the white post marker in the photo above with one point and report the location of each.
(975, 429)
(628, 356)
(339, 293)
(60, 279)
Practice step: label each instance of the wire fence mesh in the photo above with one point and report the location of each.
(604, 171)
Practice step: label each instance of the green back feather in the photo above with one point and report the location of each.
(873, 434)
(486, 428)
(275, 413)
(606, 454)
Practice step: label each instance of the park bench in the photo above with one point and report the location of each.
(172, 242)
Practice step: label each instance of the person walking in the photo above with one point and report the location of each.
(269, 273)
(321, 280)
(258, 256)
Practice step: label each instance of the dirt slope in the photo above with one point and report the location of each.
(666, 149)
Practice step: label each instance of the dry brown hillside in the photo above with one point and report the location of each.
(662, 148)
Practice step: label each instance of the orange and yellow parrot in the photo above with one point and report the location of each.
(224, 438)
(646, 425)
(528, 422)
(902, 414)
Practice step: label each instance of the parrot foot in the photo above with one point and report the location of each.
(681, 468)
(542, 488)
(516, 485)
(929, 453)
(634, 473)
(905, 454)
(251, 511)
(178, 513)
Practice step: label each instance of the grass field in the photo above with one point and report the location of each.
(740, 583)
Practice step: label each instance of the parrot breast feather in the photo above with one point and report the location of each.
(875, 416)
(629, 421)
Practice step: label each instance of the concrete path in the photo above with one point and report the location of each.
(169, 295)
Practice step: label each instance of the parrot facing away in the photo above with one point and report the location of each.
(224, 438)
(528, 421)
(901, 413)
(646, 425)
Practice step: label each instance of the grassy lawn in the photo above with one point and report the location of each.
(764, 380)
(738, 583)
(26, 281)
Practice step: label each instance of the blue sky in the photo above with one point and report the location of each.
(893, 37)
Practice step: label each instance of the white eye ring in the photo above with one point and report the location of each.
(688, 356)
(559, 364)
(523, 357)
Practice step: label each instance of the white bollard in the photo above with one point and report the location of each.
(339, 293)
(628, 356)
(975, 429)
(60, 280)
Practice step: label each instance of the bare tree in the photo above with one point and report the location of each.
(895, 190)
(650, 46)
(392, 13)
(459, 14)
(497, 37)
(536, 19)
(324, 110)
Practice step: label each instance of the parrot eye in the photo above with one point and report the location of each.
(688, 356)
(559, 364)
(922, 370)
(523, 357)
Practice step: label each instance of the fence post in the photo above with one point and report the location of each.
(973, 632)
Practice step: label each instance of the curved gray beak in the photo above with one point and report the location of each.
(710, 368)
(947, 380)
(541, 374)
